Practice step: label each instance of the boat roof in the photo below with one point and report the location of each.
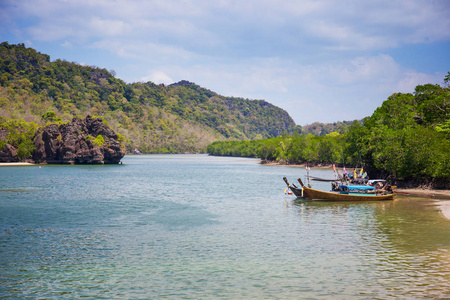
(358, 187)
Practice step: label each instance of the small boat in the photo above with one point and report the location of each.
(348, 195)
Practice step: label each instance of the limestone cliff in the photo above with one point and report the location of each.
(87, 141)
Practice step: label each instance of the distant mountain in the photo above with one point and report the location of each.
(181, 117)
(319, 129)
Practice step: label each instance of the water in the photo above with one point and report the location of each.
(200, 227)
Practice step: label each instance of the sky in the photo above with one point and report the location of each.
(320, 60)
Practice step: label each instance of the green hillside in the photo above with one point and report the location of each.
(182, 117)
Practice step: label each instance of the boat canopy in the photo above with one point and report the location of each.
(372, 181)
(357, 187)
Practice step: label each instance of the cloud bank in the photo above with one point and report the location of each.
(320, 60)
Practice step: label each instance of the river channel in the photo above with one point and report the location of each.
(202, 227)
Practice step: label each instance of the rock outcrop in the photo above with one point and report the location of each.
(87, 141)
(8, 154)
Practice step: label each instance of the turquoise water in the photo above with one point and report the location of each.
(200, 227)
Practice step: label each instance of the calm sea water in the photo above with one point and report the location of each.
(200, 227)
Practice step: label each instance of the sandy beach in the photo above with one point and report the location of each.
(13, 164)
(440, 194)
(445, 208)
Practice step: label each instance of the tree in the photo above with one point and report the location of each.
(51, 116)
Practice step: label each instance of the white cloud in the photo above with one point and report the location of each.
(383, 24)
(67, 44)
(104, 27)
(365, 69)
(410, 79)
(157, 77)
(330, 58)
(144, 51)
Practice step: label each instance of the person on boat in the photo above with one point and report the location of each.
(386, 188)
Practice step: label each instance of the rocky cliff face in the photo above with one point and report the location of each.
(88, 141)
(8, 154)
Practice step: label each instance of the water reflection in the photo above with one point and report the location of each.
(403, 245)
(411, 223)
(414, 224)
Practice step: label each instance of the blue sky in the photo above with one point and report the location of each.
(321, 60)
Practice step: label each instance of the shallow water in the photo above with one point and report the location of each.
(195, 226)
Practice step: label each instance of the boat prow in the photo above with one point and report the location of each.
(298, 192)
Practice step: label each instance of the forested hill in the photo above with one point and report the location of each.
(182, 117)
(319, 129)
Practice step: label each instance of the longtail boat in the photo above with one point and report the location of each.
(378, 195)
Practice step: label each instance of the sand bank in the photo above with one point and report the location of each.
(13, 164)
(439, 194)
(445, 208)
(442, 195)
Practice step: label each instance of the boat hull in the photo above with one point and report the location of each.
(336, 196)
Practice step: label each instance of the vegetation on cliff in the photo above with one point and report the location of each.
(406, 139)
(181, 117)
(16, 140)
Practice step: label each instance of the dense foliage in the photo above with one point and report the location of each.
(294, 149)
(181, 117)
(407, 139)
(18, 134)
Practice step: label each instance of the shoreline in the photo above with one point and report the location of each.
(276, 164)
(13, 164)
(429, 193)
(445, 208)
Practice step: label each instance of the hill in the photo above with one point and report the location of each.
(182, 117)
(319, 129)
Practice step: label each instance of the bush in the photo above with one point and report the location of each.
(99, 140)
